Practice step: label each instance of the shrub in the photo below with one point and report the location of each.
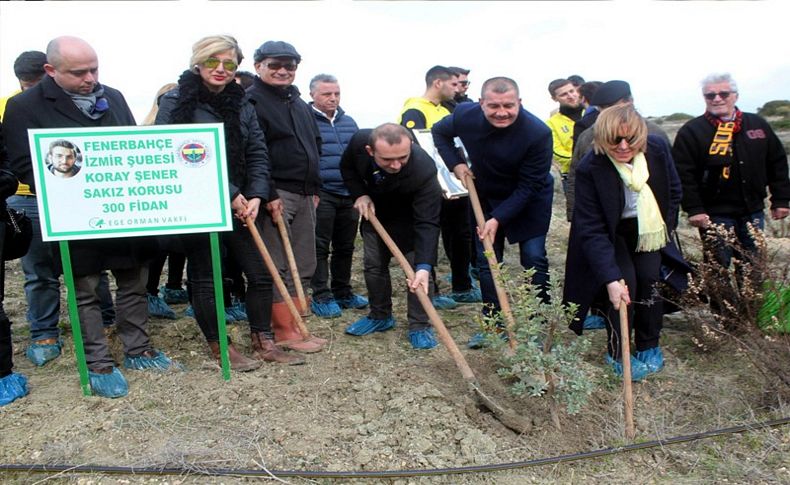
(548, 360)
(678, 117)
(775, 108)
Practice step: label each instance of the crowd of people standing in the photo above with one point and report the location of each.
(308, 168)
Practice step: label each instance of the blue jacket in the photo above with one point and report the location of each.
(511, 167)
(591, 263)
(334, 140)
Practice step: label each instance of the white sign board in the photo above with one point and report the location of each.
(452, 188)
(94, 183)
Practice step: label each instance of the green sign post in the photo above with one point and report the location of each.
(96, 183)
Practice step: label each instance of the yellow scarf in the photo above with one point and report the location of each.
(652, 229)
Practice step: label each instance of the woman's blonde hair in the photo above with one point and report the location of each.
(151, 116)
(214, 44)
(608, 126)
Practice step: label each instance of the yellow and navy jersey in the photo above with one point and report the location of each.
(562, 132)
(419, 114)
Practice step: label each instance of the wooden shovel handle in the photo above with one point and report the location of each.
(625, 355)
(289, 253)
(488, 245)
(425, 301)
(278, 281)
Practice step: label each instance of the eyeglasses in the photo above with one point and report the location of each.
(276, 66)
(213, 62)
(628, 139)
(721, 94)
(463, 83)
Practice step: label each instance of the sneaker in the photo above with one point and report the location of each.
(443, 302)
(151, 359)
(367, 325)
(158, 308)
(108, 383)
(638, 369)
(189, 312)
(594, 322)
(42, 351)
(472, 295)
(12, 387)
(174, 296)
(423, 338)
(355, 302)
(652, 358)
(326, 309)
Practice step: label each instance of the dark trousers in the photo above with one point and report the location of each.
(243, 250)
(336, 228)
(641, 273)
(377, 278)
(457, 240)
(532, 254)
(175, 271)
(131, 315)
(6, 352)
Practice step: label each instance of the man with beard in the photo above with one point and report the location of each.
(561, 124)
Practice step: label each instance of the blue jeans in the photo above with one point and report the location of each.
(336, 226)
(532, 253)
(42, 287)
(724, 252)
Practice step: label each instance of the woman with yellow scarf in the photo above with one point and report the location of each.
(627, 196)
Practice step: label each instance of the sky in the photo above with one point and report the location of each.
(380, 51)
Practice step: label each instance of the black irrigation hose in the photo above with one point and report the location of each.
(392, 473)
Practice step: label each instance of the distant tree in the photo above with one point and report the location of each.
(775, 108)
(678, 117)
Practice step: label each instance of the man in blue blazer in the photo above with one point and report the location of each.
(510, 151)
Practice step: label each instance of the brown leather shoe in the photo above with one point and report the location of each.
(287, 335)
(238, 361)
(265, 349)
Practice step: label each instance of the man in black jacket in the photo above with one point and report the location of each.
(294, 141)
(390, 176)
(70, 96)
(726, 158)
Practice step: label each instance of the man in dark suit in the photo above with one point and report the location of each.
(390, 176)
(70, 96)
(510, 150)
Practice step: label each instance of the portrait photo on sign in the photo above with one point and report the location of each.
(64, 159)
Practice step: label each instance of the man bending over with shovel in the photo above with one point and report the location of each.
(395, 180)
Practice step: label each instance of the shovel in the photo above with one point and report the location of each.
(289, 252)
(488, 245)
(506, 416)
(278, 281)
(625, 353)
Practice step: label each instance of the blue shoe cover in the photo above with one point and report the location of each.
(189, 312)
(652, 358)
(479, 340)
(638, 368)
(158, 361)
(594, 322)
(423, 338)
(12, 387)
(172, 296)
(443, 302)
(40, 354)
(366, 325)
(356, 302)
(325, 309)
(158, 308)
(229, 316)
(237, 311)
(108, 385)
(470, 296)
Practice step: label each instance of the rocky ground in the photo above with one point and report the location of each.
(373, 403)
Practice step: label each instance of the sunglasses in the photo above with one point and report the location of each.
(628, 139)
(276, 66)
(213, 62)
(721, 94)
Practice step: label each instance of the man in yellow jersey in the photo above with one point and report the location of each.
(561, 123)
(28, 69)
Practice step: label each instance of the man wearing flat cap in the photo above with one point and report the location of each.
(293, 140)
(28, 69)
